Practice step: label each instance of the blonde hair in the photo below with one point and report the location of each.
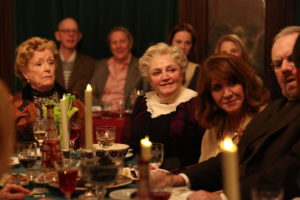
(235, 40)
(7, 128)
(162, 49)
(25, 52)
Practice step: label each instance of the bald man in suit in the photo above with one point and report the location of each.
(74, 70)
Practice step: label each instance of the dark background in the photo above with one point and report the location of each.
(148, 20)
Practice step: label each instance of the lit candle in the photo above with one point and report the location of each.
(88, 117)
(146, 145)
(230, 169)
(64, 125)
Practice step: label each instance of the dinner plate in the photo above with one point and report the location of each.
(123, 194)
(121, 181)
(14, 161)
(14, 178)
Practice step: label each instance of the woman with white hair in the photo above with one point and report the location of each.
(166, 114)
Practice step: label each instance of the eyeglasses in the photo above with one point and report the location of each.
(277, 64)
(69, 30)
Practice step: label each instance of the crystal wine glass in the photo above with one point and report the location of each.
(104, 172)
(157, 155)
(39, 130)
(119, 108)
(67, 170)
(106, 136)
(87, 161)
(75, 130)
(27, 155)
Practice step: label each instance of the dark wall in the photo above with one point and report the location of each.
(148, 21)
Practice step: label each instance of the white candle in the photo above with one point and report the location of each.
(88, 117)
(230, 169)
(146, 145)
(64, 125)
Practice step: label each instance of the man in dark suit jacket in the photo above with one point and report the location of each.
(269, 150)
(74, 70)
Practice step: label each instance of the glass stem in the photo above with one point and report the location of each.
(68, 196)
(100, 192)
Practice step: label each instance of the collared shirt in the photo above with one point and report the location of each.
(67, 66)
(115, 84)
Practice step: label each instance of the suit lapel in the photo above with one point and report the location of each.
(102, 76)
(59, 73)
(131, 77)
(273, 120)
(260, 124)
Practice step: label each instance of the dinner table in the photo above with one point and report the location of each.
(177, 193)
(54, 192)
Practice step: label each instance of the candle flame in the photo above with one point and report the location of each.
(89, 87)
(228, 145)
(146, 142)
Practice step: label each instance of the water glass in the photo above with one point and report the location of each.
(104, 172)
(87, 161)
(120, 108)
(157, 155)
(106, 136)
(106, 110)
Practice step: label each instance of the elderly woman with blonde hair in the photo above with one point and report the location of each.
(166, 114)
(7, 136)
(35, 66)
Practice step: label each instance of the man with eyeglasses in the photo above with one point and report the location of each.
(269, 150)
(74, 70)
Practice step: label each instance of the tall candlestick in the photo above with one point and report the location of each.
(64, 125)
(146, 145)
(230, 169)
(88, 117)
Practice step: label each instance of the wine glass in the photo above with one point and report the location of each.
(119, 108)
(39, 130)
(27, 155)
(106, 109)
(134, 94)
(106, 136)
(67, 170)
(157, 155)
(87, 161)
(104, 172)
(75, 130)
